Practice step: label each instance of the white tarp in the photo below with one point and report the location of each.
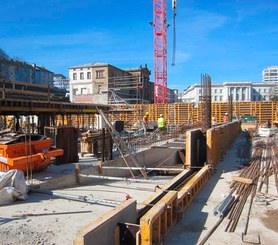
(266, 132)
(12, 186)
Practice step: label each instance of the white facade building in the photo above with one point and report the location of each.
(241, 91)
(270, 74)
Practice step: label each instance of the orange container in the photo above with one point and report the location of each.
(33, 155)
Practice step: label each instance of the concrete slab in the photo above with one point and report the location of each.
(61, 229)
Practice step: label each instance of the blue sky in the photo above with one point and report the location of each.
(231, 40)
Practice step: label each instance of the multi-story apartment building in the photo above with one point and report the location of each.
(98, 82)
(241, 91)
(270, 74)
(12, 70)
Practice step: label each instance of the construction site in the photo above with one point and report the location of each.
(200, 178)
(120, 164)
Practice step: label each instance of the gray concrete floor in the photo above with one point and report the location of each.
(61, 229)
(199, 219)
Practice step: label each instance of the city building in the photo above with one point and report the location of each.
(13, 70)
(172, 95)
(241, 91)
(60, 81)
(270, 74)
(102, 83)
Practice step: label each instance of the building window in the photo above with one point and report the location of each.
(75, 91)
(232, 90)
(83, 91)
(264, 90)
(200, 91)
(81, 75)
(99, 87)
(215, 90)
(215, 98)
(74, 76)
(237, 97)
(88, 75)
(99, 74)
(254, 98)
(243, 97)
(220, 98)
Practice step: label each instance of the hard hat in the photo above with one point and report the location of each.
(226, 113)
(161, 115)
(147, 113)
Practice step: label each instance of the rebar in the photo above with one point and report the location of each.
(206, 101)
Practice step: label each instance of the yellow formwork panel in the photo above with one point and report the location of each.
(159, 219)
(219, 139)
(181, 113)
(193, 186)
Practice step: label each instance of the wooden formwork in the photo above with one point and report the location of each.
(157, 222)
(159, 219)
(182, 113)
(188, 192)
(164, 214)
(219, 140)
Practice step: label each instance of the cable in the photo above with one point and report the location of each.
(174, 34)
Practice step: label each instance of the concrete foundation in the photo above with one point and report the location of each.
(104, 230)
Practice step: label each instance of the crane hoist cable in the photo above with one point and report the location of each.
(174, 32)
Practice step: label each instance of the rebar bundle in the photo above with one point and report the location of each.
(244, 190)
(206, 101)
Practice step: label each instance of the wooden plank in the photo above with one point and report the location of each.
(242, 180)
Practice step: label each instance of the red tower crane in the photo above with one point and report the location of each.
(160, 49)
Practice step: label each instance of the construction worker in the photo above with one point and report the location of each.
(145, 122)
(226, 117)
(213, 120)
(161, 123)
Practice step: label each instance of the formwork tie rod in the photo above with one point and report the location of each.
(121, 178)
(89, 199)
(147, 169)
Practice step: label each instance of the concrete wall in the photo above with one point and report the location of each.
(148, 158)
(103, 230)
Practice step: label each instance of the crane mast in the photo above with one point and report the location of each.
(160, 49)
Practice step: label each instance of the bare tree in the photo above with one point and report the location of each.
(3, 54)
